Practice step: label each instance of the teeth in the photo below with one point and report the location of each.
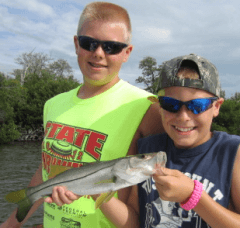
(184, 129)
(95, 65)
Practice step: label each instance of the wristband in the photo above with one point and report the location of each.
(194, 198)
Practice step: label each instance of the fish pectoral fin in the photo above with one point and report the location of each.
(104, 198)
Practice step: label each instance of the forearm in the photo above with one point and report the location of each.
(37, 177)
(120, 214)
(124, 211)
(12, 222)
(216, 215)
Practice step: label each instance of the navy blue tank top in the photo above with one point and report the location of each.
(210, 163)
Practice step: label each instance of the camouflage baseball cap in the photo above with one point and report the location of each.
(208, 80)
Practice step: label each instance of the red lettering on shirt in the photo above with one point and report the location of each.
(48, 125)
(95, 144)
(64, 163)
(55, 127)
(66, 133)
(80, 154)
(80, 136)
(54, 161)
(46, 161)
(59, 162)
(69, 164)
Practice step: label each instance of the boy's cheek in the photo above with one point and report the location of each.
(164, 114)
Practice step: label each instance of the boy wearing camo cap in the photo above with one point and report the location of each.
(200, 185)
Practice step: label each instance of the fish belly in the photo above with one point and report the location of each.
(91, 184)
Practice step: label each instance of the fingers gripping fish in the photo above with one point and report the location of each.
(100, 177)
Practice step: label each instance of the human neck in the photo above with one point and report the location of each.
(87, 90)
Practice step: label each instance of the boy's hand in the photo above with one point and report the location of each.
(61, 196)
(172, 185)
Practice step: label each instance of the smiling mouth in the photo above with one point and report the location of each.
(185, 129)
(96, 65)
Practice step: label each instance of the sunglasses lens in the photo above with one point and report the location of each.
(196, 106)
(200, 105)
(94, 45)
(112, 48)
(88, 43)
(169, 104)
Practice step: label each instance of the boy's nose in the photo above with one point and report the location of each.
(184, 113)
(99, 52)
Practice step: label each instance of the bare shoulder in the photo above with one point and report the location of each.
(151, 122)
(235, 188)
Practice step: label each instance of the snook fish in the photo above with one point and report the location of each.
(95, 178)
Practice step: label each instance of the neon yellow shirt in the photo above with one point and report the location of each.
(79, 131)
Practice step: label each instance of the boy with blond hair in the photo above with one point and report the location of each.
(200, 185)
(102, 119)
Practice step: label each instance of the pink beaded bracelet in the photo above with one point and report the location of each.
(194, 198)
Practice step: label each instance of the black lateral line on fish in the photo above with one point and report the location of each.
(56, 184)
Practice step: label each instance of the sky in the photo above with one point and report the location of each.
(162, 29)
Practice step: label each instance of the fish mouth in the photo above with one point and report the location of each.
(147, 162)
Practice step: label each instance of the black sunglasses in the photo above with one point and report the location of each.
(196, 106)
(91, 44)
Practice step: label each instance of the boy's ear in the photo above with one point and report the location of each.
(217, 106)
(75, 40)
(128, 52)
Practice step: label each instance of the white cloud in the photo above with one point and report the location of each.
(154, 34)
(33, 6)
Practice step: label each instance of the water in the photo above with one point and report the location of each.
(18, 163)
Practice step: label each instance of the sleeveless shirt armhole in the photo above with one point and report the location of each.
(151, 143)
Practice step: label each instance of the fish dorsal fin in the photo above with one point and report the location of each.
(103, 198)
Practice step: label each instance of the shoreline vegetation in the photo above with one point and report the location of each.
(22, 97)
(24, 92)
(31, 135)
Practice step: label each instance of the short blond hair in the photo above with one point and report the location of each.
(187, 72)
(107, 12)
(183, 72)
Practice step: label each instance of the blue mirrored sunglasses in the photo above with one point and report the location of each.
(91, 44)
(196, 106)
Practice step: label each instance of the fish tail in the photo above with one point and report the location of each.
(24, 203)
(15, 197)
